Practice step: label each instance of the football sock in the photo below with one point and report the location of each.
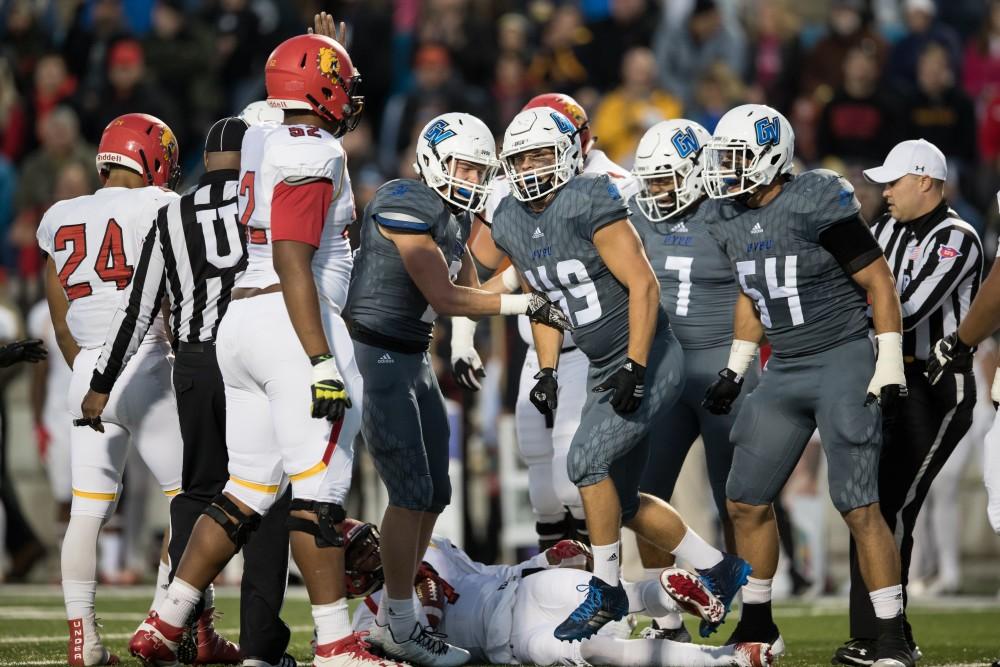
(79, 565)
(162, 583)
(757, 591)
(696, 551)
(402, 617)
(649, 598)
(333, 621)
(79, 597)
(178, 603)
(888, 602)
(607, 565)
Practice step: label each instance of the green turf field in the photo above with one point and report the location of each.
(33, 629)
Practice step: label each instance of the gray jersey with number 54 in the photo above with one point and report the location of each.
(807, 303)
(697, 285)
(554, 250)
(383, 297)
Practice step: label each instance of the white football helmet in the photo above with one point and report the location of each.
(260, 112)
(533, 129)
(671, 149)
(444, 141)
(752, 145)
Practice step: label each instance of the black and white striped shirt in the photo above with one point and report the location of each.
(937, 261)
(195, 251)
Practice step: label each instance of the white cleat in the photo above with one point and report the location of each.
(752, 654)
(422, 647)
(691, 594)
(285, 661)
(85, 648)
(351, 651)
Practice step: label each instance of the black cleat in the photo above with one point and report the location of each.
(855, 652)
(654, 631)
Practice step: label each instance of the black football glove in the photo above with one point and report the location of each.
(948, 355)
(329, 395)
(543, 311)
(720, 394)
(545, 394)
(628, 383)
(31, 350)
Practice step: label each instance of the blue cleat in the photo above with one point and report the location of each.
(725, 579)
(605, 603)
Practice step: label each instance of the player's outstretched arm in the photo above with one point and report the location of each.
(983, 317)
(621, 249)
(58, 307)
(889, 382)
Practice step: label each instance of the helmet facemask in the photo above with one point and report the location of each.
(668, 201)
(536, 183)
(732, 168)
(363, 560)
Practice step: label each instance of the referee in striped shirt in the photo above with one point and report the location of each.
(193, 254)
(937, 261)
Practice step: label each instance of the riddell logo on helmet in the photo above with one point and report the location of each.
(109, 157)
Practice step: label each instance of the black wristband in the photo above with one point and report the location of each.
(960, 345)
(320, 358)
(102, 384)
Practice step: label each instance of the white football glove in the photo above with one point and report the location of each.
(466, 365)
(888, 383)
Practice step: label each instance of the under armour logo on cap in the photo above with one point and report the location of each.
(913, 156)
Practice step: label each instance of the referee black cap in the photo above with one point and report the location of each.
(226, 135)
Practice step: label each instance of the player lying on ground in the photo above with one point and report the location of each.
(507, 614)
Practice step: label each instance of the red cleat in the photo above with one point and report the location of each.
(753, 654)
(691, 594)
(85, 648)
(351, 651)
(155, 642)
(213, 649)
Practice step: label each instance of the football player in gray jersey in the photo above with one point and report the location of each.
(568, 234)
(805, 261)
(413, 252)
(698, 291)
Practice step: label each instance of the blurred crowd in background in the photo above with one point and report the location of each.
(853, 76)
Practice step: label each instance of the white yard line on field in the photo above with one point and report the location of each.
(41, 639)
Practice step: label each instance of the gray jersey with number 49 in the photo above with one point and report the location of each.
(383, 297)
(807, 303)
(697, 286)
(555, 251)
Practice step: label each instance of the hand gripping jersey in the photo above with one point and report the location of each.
(555, 252)
(597, 162)
(274, 160)
(807, 303)
(383, 297)
(95, 241)
(698, 288)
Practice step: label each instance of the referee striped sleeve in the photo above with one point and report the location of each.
(950, 254)
(140, 305)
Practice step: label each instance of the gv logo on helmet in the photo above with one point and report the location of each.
(685, 142)
(768, 131)
(562, 124)
(438, 132)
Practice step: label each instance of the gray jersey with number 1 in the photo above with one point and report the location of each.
(554, 250)
(807, 303)
(697, 285)
(383, 298)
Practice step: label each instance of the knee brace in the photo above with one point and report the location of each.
(238, 526)
(324, 529)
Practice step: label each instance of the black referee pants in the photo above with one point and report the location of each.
(201, 405)
(928, 427)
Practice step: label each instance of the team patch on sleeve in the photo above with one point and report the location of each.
(948, 252)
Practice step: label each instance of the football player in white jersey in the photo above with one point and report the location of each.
(543, 434)
(93, 242)
(295, 198)
(506, 614)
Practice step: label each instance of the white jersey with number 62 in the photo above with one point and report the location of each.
(95, 241)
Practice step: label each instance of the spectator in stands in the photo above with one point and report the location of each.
(630, 23)
(467, 36)
(939, 111)
(922, 29)
(178, 52)
(848, 27)
(717, 91)
(130, 90)
(558, 63)
(54, 85)
(627, 112)
(981, 64)
(774, 56)
(13, 118)
(238, 49)
(514, 35)
(989, 132)
(88, 43)
(686, 51)
(22, 41)
(511, 90)
(859, 123)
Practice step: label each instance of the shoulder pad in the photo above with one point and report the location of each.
(819, 189)
(411, 203)
(303, 157)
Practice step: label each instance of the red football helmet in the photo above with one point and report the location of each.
(362, 558)
(316, 73)
(144, 144)
(570, 108)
